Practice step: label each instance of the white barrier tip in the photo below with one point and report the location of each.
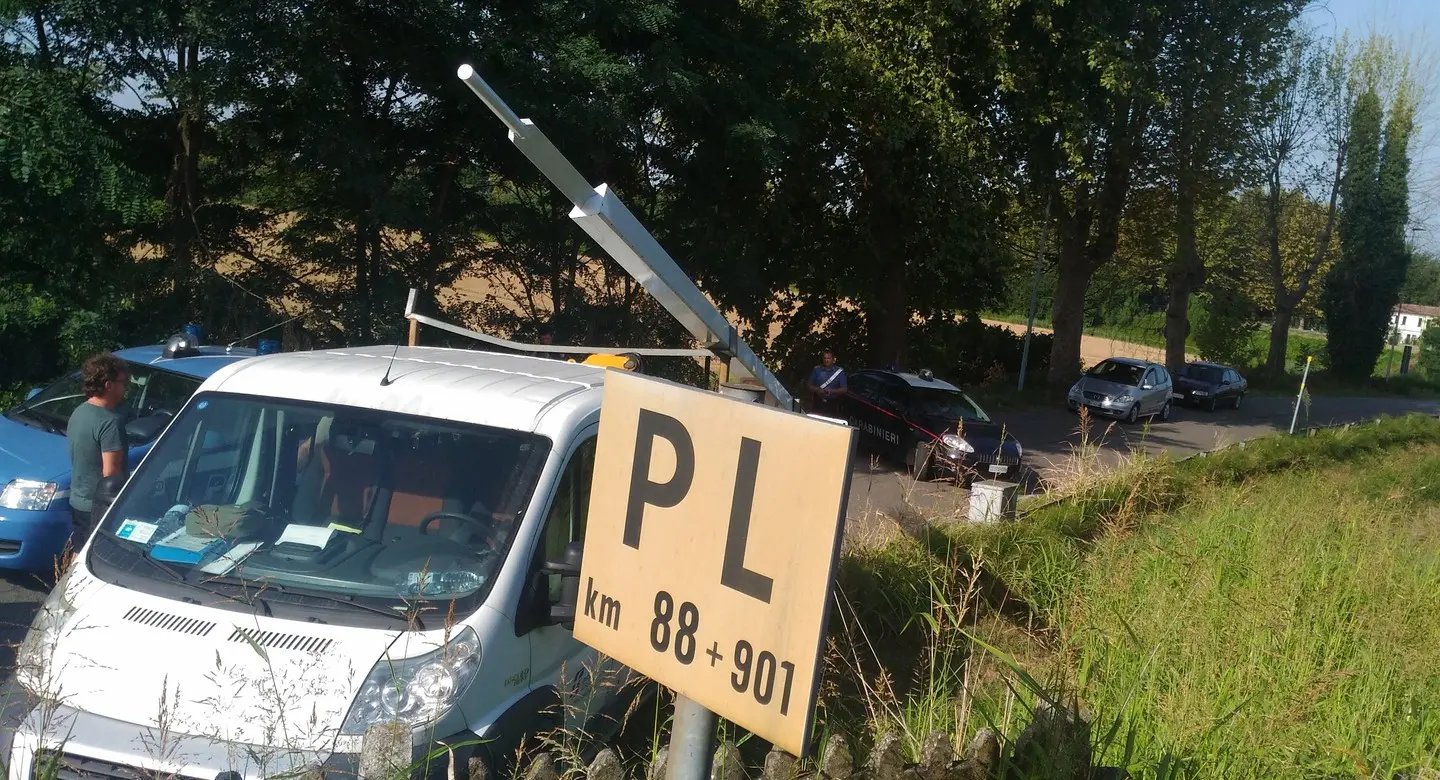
(465, 72)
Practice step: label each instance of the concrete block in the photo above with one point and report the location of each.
(385, 752)
(992, 500)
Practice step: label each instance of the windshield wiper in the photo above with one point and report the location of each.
(262, 586)
(180, 578)
(24, 413)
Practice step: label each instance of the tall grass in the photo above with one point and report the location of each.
(1283, 629)
(1261, 612)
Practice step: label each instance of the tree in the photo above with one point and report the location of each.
(1422, 280)
(919, 187)
(1213, 74)
(1308, 116)
(69, 197)
(1428, 352)
(1363, 288)
(1082, 92)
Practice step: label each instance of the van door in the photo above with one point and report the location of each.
(586, 682)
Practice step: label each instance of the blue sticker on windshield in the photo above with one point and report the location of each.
(202, 404)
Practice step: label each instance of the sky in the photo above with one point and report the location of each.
(1414, 25)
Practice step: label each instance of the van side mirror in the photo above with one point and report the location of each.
(105, 494)
(562, 612)
(34, 391)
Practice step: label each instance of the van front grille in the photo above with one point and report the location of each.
(168, 622)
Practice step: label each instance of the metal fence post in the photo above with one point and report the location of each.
(1301, 396)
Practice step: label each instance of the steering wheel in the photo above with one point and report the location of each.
(433, 516)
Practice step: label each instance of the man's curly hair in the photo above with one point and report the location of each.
(100, 370)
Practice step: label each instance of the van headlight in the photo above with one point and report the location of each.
(27, 494)
(415, 691)
(951, 441)
(35, 659)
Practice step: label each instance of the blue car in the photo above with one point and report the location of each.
(35, 519)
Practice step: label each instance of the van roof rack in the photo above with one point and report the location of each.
(520, 346)
(601, 215)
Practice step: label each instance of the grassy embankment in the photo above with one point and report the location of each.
(1267, 611)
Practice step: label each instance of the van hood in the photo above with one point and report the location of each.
(30, 453)
(213, 673)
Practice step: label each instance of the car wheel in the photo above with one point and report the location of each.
(1165, 412)
(1238, 399)
(1133, 414)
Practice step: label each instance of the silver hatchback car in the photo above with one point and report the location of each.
(1124, 388)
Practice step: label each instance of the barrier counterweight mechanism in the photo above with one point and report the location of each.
(601, 214)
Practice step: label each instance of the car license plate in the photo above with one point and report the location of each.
(996, 468)
(1176, 395)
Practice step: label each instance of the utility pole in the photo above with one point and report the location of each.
(1034, 292)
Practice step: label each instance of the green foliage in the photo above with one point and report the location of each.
(970, 351)
(1427, 353)
(1224, 328)
(1363, 288)
(1348, 295)
(1422, 280)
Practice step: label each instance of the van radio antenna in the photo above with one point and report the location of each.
(385, 380)
(601, 214)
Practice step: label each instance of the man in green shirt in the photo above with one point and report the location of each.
(96, 435)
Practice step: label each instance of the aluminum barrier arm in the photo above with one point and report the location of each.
(519, 346)
(606, 220)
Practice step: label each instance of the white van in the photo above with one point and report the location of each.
(319, 543)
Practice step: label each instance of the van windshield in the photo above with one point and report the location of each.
(356, 502)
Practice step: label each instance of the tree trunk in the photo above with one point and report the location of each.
(42, 41)
(1067, 314)
(362, 282)
(183, 192)
(889, 320)
(1279, 356)
(1186, 274)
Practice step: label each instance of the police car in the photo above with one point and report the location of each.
(930, 425)
(35, 524)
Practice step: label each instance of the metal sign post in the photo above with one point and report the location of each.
(692, 741)
(1301, 395)
(704, 568)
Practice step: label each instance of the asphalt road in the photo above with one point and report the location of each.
(881, 494)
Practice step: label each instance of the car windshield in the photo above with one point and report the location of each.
(1119, 373)
(152, 390)
(947, 404)
(1209, 374)
(331, 500)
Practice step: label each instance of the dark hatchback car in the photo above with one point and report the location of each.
(1210, 385)
(930, 425)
